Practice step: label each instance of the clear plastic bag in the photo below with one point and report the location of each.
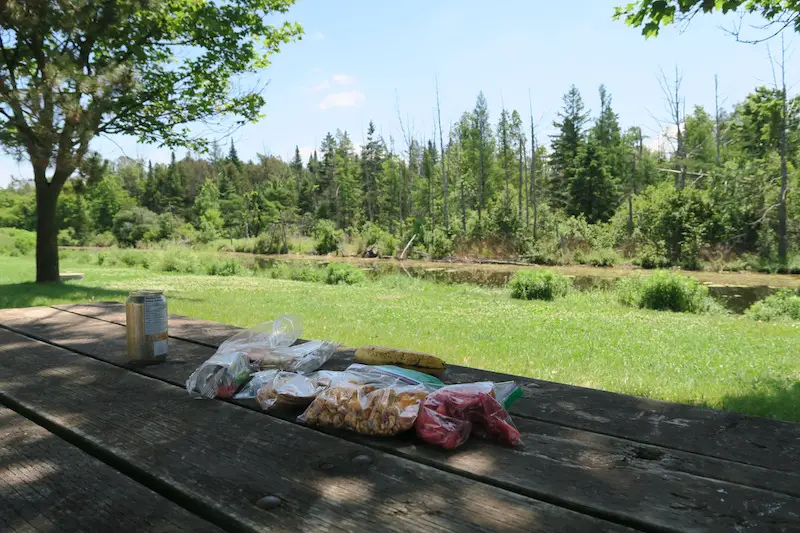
(302, 358)
(276, 387)
(279, 333)
(220, 376)
(449, 415)
(375, 408)
(389, 374)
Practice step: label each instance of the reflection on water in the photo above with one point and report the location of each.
(735, 298)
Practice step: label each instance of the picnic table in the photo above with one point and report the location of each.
(89, 442)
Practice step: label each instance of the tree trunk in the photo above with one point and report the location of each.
(445, 199)
(630, 215)
(47, 270)
(716, 121)
(783, 238)
(521, 181)
(463, 207)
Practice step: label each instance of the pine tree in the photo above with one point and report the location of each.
(566, 145)
(592, 186)
(347, 184)
(372, 156)
(297, 170)
(325, 178)
(506, 154)
(482, 132)
(233, 156)
(518, 141)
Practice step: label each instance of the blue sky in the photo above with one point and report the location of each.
(358, 59)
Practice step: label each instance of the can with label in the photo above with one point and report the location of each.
(146, 313)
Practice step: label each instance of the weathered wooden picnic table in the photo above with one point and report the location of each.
(89, 442)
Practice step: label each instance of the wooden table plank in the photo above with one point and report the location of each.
(735, 437)
(48, 485)
(225, 457)
(652, 486)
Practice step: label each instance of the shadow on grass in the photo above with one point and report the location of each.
(771, 398)
(33, 294)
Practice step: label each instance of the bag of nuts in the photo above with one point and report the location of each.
(368, 408)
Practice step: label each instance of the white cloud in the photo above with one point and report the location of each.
(317, 36)
(343, 99)
(343, 79)
(321, 86)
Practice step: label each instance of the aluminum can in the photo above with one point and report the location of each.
(146, 319)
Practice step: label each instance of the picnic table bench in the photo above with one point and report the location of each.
(89, 442)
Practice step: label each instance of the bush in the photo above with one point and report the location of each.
(605, 257)
(225, 267)
(66, 237)
(651, 257)
(329, 239)
(784, 304)
(132, 225)
(306, 273)
(270, 242)
(179, 260)
(346, 273)
(105, 240)
(131, 258)
(679, 222)
(439, 244)
(539, 285)
(665, 291)
(16, 242)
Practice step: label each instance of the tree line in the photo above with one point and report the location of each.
(713, 184)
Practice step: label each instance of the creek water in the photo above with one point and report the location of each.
(735, 298)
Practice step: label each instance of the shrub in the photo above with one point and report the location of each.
(225, 267)
(105, 240)
(439, 244)
(66, 237)
(666, 291)
(169, 227)
(132, 225)
(346, 273)
(328, 238)
(179, 260)
(784, 304)
(131, 258)
(604, 257)
(270, 242)
(539, 285)
(651, 257)
(306, 273)
(678, 221)
(16, 242)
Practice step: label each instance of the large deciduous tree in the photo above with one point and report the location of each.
(70, 71)
(651, 16)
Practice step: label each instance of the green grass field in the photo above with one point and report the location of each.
(585, 339)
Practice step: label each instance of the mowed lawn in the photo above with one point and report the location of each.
(586, 339)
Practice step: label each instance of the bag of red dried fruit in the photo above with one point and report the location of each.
(449, 415)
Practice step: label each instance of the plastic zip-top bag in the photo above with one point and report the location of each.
(366, 403)
(449, 415)
(225, 372)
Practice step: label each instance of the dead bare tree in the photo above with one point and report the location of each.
(717, 135)
(783, 237)
(441, 147)
(532, 195)
(677, 111)
(408, 137)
